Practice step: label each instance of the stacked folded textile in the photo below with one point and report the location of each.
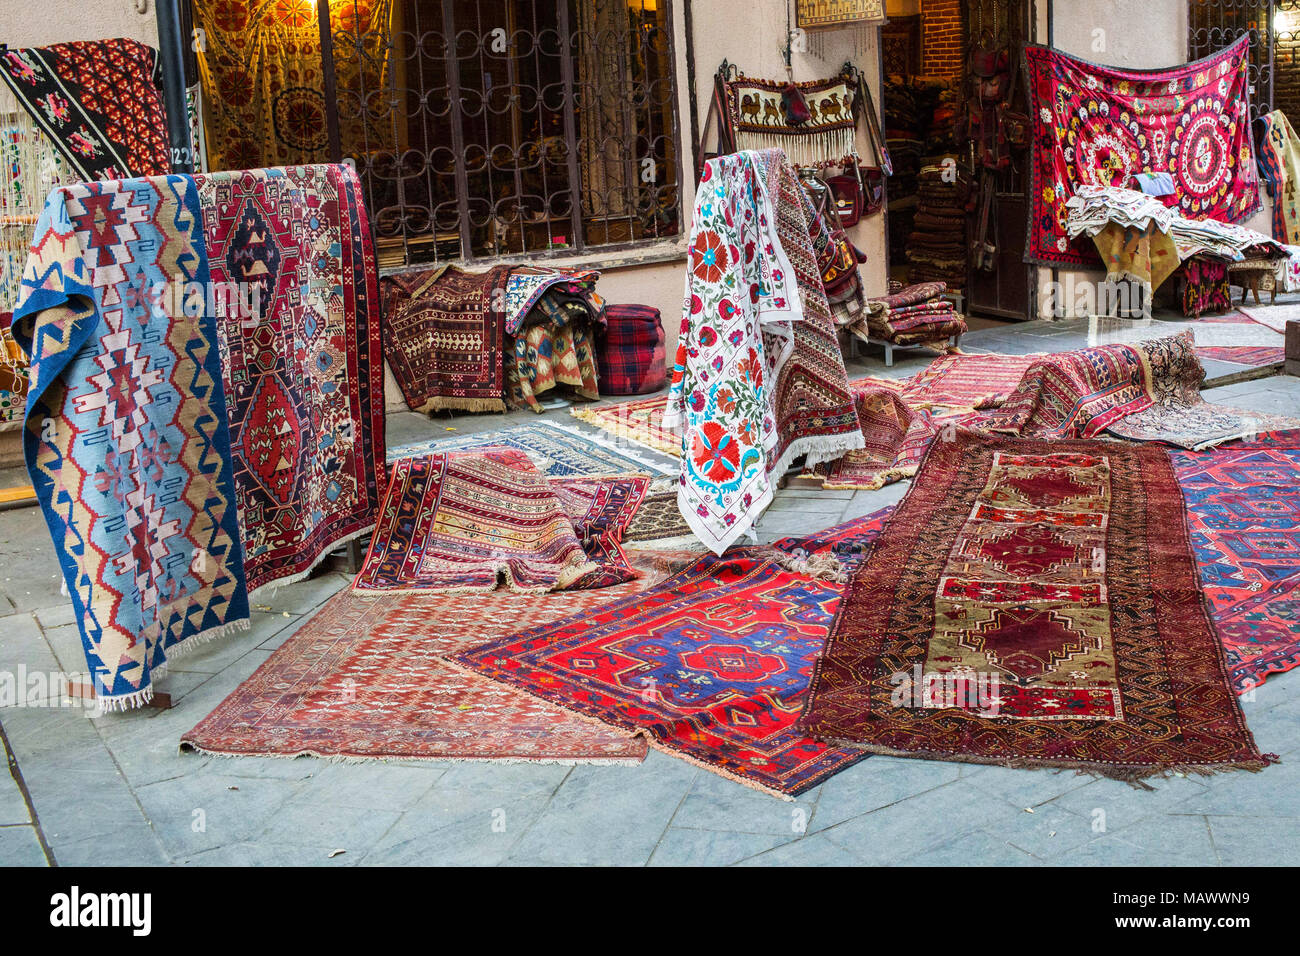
(911, 316)
(1092, 208)
(937, 244)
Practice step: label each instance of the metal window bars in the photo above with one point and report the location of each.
(504, 128)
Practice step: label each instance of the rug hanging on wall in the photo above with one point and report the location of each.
(759, 121)
(462, 522)
(711, 665)
(1098, 125)
(364, 677)
(98, 102)
(444, 338)
(1243, 505)
(983, 626)
(263, 80)
(302, 367)
(125, 436)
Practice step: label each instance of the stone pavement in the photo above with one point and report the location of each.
(115, 790)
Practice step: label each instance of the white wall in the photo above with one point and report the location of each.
(42, 22)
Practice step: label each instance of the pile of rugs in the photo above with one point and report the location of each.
(936, 248)
(485, 341)
(918, 314)
(974, 622)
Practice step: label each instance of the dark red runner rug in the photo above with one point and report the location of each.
(1034, 604)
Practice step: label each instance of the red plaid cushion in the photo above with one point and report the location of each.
(630, 353)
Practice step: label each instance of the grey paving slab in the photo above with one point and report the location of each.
(875, 783)
(716, 803)
(1161, 840)
(19, 846)
(272, 854)
(908, 827)
(692, 847)
(1024, 788)
(378, 786)
(980, 848)
(13, 806)
(458, 827)
(1252, 841)
(596, 817)
(812, 850)
(209, 809)
(131, 845)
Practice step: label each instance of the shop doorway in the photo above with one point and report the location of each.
(954, 106)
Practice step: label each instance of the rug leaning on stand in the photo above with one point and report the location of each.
(303, 370)
(364, 678)
(444, 338)
(1034, 604)
(125, 435)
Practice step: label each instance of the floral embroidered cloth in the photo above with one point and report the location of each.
(1099, 125)
(736, 333)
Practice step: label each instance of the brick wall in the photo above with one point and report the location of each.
(943, 37)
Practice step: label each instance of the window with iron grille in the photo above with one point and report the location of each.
(509, 127)
(1214, 24)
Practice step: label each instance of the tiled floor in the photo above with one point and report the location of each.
(115, 790)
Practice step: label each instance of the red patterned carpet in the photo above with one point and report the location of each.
(712, 666)
(1243, 503)
(1034, 604)
(364, 678)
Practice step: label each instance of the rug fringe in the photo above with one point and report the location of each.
(298, 576)
(189, 746)
(1134, 776)
(819, 567)
(121, 703)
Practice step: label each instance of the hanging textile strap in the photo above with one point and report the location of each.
(718, 108)
(879, 148)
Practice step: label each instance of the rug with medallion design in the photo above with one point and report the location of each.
(1034, 604)
(301, 364)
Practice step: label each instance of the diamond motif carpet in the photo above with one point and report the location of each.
(364, 678)
(444, 338)
(125, 436)
(555, 450)
(1033, 604)
(711, 665)
(303, 374)
(461, 522)
(1243, 502)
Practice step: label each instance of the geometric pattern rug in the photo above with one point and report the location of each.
(465, 521)
(639, 422)
(711, 666)
(303, 369)
(364, 678)
(1034, 604)
(558, 451)
(1243, 504)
